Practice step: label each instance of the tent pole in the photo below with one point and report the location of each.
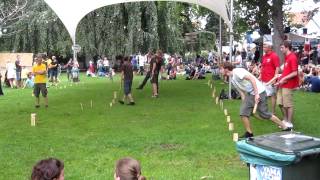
(74, 49)
(231, 42)
(220, 39)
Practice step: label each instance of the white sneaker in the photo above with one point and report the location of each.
(287, 123)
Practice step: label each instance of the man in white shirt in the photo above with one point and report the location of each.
(141, 64)
(254, 93)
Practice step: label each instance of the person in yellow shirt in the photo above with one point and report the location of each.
(40, 72)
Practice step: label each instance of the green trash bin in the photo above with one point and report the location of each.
(281, 156)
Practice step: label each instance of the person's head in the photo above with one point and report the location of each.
(128, 169)
(39, 59)
(53, 58)
(227, 68)
(48, 169)
(286, 47)
(159, 52)
(126, 59)
(267, 47)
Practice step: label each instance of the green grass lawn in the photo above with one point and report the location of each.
(181, 135)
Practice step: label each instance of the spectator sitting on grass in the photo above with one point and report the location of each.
(48, 169)
(128, 169)
(29, 82)
(314, 81)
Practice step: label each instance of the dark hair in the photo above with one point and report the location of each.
(47, 169)
(128, 169)
(227, 65)
(126, 58)
(287, 44)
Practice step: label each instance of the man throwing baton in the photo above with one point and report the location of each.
(255, 94)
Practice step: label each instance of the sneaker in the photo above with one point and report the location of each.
(132, 103)
(37, 106)
(287, 129)
(246, 135)
(287, 123)
(121, 102)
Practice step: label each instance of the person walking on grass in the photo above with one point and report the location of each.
(127, 77)
(254, 93)
(148, 74)
(156, 64)
(40, 72)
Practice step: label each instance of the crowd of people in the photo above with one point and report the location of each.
(256, 81)
(53, 169)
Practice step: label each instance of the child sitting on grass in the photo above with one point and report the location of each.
(29, 82)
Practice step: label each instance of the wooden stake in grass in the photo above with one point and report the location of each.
(231, 127)
(33, 119)
(225, 112)
(221, 104)
(235, 137)
(115, 94)
(228, 119)
(217, 100)
(213, 94)
(255, 108)
(81, 106)
(91, 103)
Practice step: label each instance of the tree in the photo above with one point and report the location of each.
(278, 28)
(11, 12)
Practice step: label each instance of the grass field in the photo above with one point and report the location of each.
(181, 135)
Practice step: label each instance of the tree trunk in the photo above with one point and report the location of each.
(277, 18)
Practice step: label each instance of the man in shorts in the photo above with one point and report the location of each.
(254, 93)
(287, 82)
(127, 77)
(270, 66)
(40, 72)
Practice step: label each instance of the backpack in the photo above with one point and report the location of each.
(223, 95)
(235, 94)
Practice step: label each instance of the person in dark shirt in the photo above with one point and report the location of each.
(18, 71)
(148, 75)
(1, 92)
(54, 70)
(127, 77)
(314, 82)
(155, 67)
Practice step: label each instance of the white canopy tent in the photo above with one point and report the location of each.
(71, 12)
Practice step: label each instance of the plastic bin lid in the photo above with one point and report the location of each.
(286, 142)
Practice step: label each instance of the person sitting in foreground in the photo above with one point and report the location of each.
(48, 169)
(128, 169)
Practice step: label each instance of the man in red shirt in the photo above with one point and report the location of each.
(288, 81)
(270, 66)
